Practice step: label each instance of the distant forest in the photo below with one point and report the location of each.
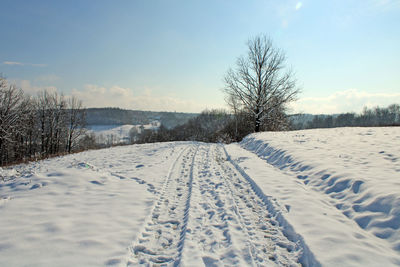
(372, 117)
(117, 116)
(377, 116)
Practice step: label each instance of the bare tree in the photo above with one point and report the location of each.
(260, 83)
(233, 103)
(44, 125)
(47, 109)
(76, 122)
(30, 126)
(11, 105)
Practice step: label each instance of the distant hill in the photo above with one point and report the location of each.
(117, 116)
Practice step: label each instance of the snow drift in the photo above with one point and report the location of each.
(355, 170)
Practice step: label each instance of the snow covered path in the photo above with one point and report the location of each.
(209, 213)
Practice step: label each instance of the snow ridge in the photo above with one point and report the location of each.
(306, 257)
(364, 191)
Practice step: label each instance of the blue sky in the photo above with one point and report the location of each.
(172, 55)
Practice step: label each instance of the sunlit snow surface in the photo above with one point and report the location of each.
(351, 177)
(80, 210)
(315, 197)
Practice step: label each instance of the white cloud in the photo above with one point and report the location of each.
(299, 5)
(116, 96)
(15, 63)
(12, 63)
(352, 100)
(32, 89)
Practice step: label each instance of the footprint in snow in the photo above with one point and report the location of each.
(210, 262)
(38, 185)
(84, 165)
(112, 262)
(3, 200)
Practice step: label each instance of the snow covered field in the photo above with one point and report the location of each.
(112, 134)
(342, 189)
(118, 134)
(314, 197)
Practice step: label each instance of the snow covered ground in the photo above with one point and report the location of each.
(315, 197)
(118, 134)
(341, 187)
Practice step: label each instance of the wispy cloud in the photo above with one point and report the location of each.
(12, 63)
(351, 100)
(15, 63)
(298, 5)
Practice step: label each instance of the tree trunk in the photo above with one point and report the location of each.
(69, 142)
(1, 152)
(257, 121)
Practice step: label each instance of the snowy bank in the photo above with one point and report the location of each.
(343, 186)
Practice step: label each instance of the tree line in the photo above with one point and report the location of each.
(211, 126)
(369, 117)
(40, 126)
(118, 116)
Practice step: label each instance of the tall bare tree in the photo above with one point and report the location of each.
(11, 105)
(76, 122)
(260, 82)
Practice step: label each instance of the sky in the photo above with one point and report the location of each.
(172, 55)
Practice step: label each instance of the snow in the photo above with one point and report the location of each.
(315, 197)
(342, 186)
(208, 214)
(118, 134)
(80, 210)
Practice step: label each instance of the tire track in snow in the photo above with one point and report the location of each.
(266, 240)
(296, 245)
(210, 212)
(162, 239)
(212, 238)
(230, 225)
